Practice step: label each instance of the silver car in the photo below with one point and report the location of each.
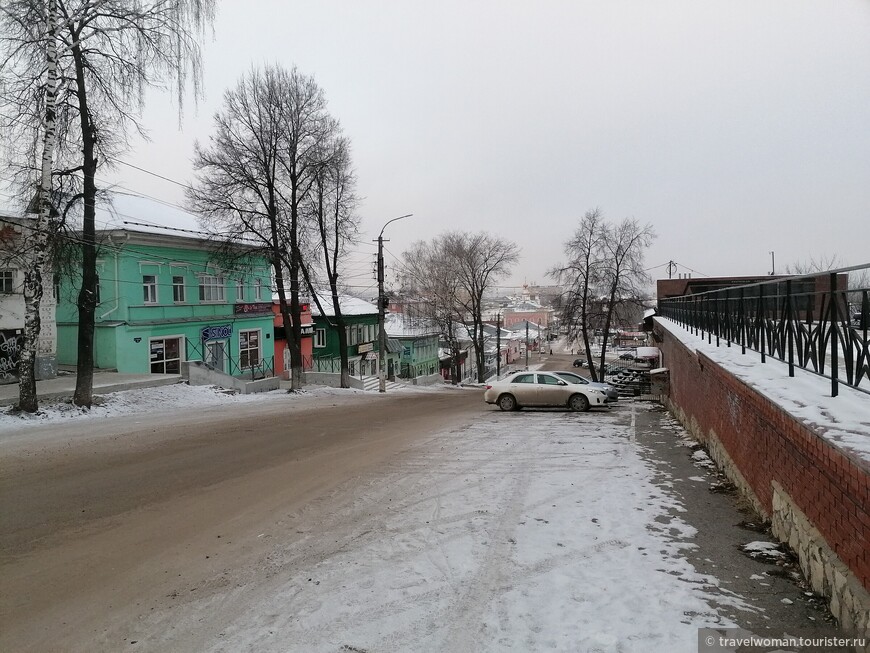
(609, 391)
(542, 389)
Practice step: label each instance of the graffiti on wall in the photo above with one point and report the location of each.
(10, 345)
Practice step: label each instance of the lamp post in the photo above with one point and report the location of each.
(382, 333)
(772, 264)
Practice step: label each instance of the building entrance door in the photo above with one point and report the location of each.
(165, 356)
(216, 354)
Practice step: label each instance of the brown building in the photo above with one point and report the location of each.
(807, 291)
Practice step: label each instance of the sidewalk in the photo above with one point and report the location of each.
(65, 384)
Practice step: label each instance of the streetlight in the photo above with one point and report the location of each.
(382, 332)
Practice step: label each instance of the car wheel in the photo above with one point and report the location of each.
(578, 403)
(507, 402)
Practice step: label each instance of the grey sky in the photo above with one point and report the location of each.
(735, 128)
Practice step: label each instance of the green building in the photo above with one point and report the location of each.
(419, 341)
(361, 320)
(163, 299)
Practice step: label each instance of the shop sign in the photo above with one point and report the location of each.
(256, 308)
(363, 348)
(217, 332)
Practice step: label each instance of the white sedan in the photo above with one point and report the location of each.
(541, 389)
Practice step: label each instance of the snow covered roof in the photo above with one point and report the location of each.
(145, 215)
(349, 306)
(398, 326)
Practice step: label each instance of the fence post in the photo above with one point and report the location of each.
(834, 363)
(788, 325)
(742, 323)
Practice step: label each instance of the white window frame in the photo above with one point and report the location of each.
(7, 280)
(258, 289)
(149, 288)
(319, 338)
(240, 290)
(182, 354)
(258, 349)
(179, 292)
(212, 289)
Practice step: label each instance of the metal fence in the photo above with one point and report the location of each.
(254, 368)
(816, 322)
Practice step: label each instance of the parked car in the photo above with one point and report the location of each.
(542, 389)
(628, 356)
(579, 362)
(608, 390)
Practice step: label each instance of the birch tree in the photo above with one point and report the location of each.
(36, 255)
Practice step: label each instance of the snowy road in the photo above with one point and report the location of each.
(425, 522)
(522, 531)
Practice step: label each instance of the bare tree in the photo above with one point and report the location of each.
(331, 210)
(604, 274)
(422, 275)
(258, 170)
(36, 254)
(457, 269)
(623, 246)
(108, 53)
(582, 275)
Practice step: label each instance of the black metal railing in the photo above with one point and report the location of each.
(815, 322)
(254, 368)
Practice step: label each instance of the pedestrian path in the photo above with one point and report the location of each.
(64, 385)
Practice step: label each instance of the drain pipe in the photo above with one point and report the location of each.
(117, 248)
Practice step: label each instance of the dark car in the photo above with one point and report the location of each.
(579, 362)
(627, 357)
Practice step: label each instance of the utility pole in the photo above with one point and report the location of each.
(497, 345)
(382, 332)
(672, 267)
(527, 344)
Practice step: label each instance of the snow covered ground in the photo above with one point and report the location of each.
(524, 531)
(537, 530)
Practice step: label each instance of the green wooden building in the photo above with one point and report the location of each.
(164, 298)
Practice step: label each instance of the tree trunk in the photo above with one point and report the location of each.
(33, 282)
(87, 298)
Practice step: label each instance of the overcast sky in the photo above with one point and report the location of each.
(734, 128)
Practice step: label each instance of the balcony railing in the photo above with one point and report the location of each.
(815, 322)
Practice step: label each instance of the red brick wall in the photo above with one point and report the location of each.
(830, 485)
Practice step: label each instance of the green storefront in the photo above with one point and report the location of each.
(164, 299)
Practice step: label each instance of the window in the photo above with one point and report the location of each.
(211, 288)
(524, 378)
(240, 290)
(149, 288)
(178, 289)
(7, 280)
(546, 379)
(249, 348)
(165, 356)
(258, 290)
(320, 337)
